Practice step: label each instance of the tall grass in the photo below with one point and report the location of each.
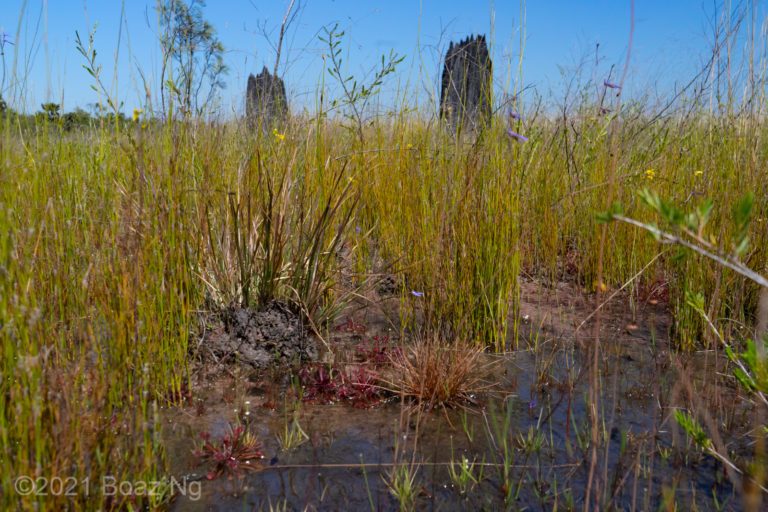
(112, 236)
(112, 239)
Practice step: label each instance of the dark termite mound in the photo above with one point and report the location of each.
(265, 103)
(465, 95)
(272, 335)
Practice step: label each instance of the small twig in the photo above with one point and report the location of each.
(669, 238)
(282, 33)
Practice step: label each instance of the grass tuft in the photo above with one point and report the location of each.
(435, 373)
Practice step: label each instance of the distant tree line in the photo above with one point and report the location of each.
(50, 114)
(192, 72)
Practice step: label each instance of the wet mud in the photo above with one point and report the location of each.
(527, 442)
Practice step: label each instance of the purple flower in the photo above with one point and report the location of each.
(611, 85)
(6, 40)
(417, 294)
(532, 404)
(514, 115)
(358, 229)
(517, 136)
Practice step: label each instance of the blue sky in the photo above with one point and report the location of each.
(672, 39)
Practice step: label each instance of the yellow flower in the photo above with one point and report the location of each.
(278, 136)
(136, 113)
(408, 146)
(698, 173)
(650, 174)
(591, 118)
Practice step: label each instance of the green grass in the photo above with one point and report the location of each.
(113, 238)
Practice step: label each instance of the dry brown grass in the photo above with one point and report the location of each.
(436, 373)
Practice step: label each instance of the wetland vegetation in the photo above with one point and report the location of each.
(472, 321)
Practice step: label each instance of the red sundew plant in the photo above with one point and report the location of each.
(320, 383)
(270, 400)
(363, 388)
(326, 384)
(378, 351)
(351, 326)
(181, 395)
(323, 383)
(233, 453)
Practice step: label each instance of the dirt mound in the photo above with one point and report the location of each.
(387, 286)
(273, 335)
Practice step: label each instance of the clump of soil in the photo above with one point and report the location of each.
(273, 335)
(387, 286)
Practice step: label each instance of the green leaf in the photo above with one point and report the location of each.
(750, 355)
(746, 380)
(743, 246)
(743, 211)
(704, 210)
(604, 217)
(695, 300)
(616, 209)
(649, 198)
(692, 221)
(693, 429)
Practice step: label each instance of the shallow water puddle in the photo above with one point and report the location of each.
(525, 452)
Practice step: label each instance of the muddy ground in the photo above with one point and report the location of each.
(536, 415)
